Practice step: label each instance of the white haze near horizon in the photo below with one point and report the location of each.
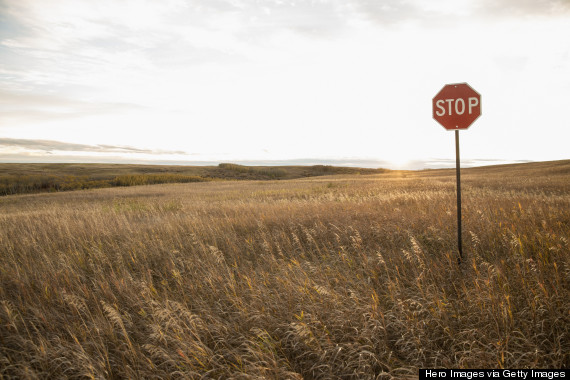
(206, 81)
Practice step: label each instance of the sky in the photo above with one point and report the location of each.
(280, 81)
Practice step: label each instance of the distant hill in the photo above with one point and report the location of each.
(527, 168)
(32, 178)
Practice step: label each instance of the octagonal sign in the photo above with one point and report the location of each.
(456, 106)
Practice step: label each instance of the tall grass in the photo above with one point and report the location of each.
(324, 278)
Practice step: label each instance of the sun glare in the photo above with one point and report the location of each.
(400, 161)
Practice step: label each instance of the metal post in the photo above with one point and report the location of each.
(457, 168)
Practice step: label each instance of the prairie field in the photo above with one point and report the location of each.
(330, 277)
(20, 178)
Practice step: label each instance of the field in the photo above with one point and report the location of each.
(331, 277)
(36, 178)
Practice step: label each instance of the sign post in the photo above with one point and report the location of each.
(456, 106)
(458, 179)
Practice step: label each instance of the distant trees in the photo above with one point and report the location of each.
(153, 179)
(255, 172)
(23, 184)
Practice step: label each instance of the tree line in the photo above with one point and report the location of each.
(24, 184)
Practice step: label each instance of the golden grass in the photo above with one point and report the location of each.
(322, 278)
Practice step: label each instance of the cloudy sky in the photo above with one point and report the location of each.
(274, 80)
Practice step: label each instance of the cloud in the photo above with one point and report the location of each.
(50, 146)
(386, 12)
(438, 13)
(20, 106)
(523, 8)
(119, 26)
(53, 25)
(84, 43)
(18, 99)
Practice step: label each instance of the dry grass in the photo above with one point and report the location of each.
(323, 278)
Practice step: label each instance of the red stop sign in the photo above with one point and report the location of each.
(456, 106)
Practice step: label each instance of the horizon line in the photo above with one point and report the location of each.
(368, 163)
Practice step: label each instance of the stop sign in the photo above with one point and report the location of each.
(456, 106)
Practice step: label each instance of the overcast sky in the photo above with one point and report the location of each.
(234, 80)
